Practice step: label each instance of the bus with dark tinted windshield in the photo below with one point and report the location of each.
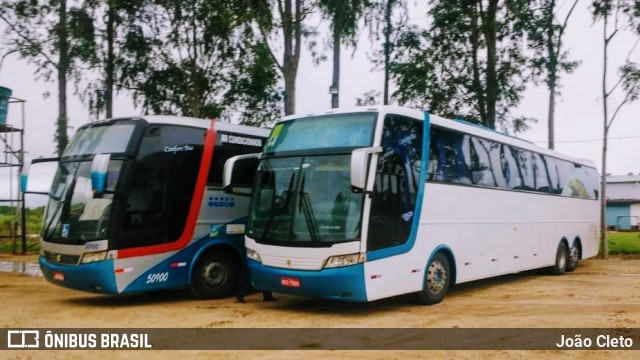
(137, 205)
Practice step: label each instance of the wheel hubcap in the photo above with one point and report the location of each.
(214, 274)
(437, 277)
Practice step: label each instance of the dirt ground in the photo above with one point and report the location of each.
(599, 294)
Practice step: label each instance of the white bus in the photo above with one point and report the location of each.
(375, 202)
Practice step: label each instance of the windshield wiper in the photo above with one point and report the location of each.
(53, 218)
(309, 216)
(62, 200)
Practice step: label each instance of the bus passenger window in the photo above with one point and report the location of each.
(450, 157)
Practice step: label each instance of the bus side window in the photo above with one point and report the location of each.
(542, 178)
(552, 172)
(450, 156)
(481, 171)
(510, 168)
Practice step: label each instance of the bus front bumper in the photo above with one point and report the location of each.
(97, 277)
(344, 284)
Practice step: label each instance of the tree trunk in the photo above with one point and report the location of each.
(553, 70)
(335, 87)
(387, 49)
(492, 58)
(603, 250)
(63, 68)
(292, 33)
(109, 68)
(551, 115)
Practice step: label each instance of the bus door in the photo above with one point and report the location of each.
(393, 200)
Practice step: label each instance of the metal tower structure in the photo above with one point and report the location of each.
(12, 157)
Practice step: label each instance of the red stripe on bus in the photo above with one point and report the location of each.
(194, 210)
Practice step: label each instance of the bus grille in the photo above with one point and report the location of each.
(61, 258)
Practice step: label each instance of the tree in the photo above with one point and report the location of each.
(549, 60)
(30, 25)
(284, 20)
(191, 58)
(344, 16)
(112, 20)
(615, 15)
(470, 62)
(380, 19)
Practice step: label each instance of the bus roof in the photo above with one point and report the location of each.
(459, 125)
(196, 122)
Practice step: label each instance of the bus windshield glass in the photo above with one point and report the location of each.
(74, 215)
(113, 138)
(352, 130)
(305, 201)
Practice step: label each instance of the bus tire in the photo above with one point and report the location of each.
(437, 280)
(574, 256)
(214, 276)
(562, 260)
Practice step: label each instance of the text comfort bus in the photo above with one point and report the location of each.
(137, 205)
(376, 202)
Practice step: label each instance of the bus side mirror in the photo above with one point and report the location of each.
(99, 168)
(360, 167)
(36, 177)
(239, 173)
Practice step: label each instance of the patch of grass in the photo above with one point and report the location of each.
(624, 242)
(7, 245)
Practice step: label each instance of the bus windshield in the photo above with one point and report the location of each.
(73, 215)
(353, 130)
(305, 201)
(113, 138)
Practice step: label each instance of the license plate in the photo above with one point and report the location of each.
(290, 282)
(58, 276)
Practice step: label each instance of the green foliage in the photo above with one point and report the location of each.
(624, 243)
(470, 61)
(9, 219)
(54, 37)
(282, 26)
(198, 59)
(371, 97)
(545, 37)
(344, 16)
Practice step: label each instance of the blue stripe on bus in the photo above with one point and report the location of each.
(180, 276)
(406, 247)
(344, 283)
(97, 277)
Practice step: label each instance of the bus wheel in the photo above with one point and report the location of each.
(436, 280)
(562, 260)
(574, 256)
(214, 276)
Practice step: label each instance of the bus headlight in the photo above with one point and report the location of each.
(93, 257)
(253, 255)
(344, 260)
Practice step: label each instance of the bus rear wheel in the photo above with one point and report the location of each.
(214, 276)
(436, 280)
(562, 260)
(574, 256)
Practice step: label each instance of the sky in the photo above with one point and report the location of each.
(579, 118)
